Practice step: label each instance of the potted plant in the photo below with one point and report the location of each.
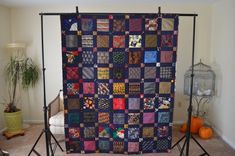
(21, 73)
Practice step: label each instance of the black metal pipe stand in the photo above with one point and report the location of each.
(188, 136)
(46, 129)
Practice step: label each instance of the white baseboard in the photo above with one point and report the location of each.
(2, 130)
(33, 121)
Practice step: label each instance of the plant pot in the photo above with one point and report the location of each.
(13, 121)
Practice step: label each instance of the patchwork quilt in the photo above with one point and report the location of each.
(118, 82)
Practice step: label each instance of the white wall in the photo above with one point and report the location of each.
(223, 54)
(26, 28)
(4, 39)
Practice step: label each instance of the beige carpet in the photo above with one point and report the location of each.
(21, 145)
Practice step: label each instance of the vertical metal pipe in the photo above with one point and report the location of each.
(44, 91)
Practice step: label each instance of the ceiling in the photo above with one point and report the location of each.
(34, 3)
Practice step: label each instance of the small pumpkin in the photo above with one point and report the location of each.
(183, 128)
(205, 132)
(196, 124)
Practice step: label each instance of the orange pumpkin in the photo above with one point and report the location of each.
(183, 128)
(196, 124)
(205, 132)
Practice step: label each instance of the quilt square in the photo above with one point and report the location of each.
(133, 147)
(163, 117)
(167, 24)
(72, 73)
(73, 118)
(118, 118)
(134, 88)
(167, 40)
(103, 117)
(135, 41)
(89, 117)
(150, 56)
(150, 41)
(162, 145)
(104, 132)
(151, 24)
(148, 117)
(88, 73)
(102, 41)
(150, 72)
(118, 88)
(87, 41)
(118, 73)
(72, 88)
(147, 145)
(119, 41)
(74, 133)
(134, 103)
(118, 146)
(164, 103)
(165, 87)
(88, 103)
(73, 103)
(134, 73)
(149, 88)
(166, 72)
(133, 133)
(135, 24)
(118, 57)
(87, 57)
(74, 145)
(118, 103)
(148, 132)
(166, 56)
(89, 132)
(89, 146)
(133, 118)
(103, 73)
(88, 87)
(102, 24)
(149, 103)
(87, 24)
(71, 41)
(118, 133)
(119, 25)
(163, 131)
(104, 145)
(103, 104)
(103, 88)
(102, 57)
(134, 57)
(71, 57)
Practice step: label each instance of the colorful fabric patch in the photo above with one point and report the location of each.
(88, 73)
(167, 40)
(118, 103)
(150, 56)
(134, 73)
(149, 103)
(118, 73)
(165, 87)
(87, 24)
(103, 41)
(135, 57)
(147, 145)
(73, 103)
(133, 133)
(104, 145)
(103, 73)
(119, 41)
(135, 24)
(166, 72)
(118, 133)
(102, 57)
(133, 118)
(88, 88)
(118, 146)
(118, 118)
(163, 117)
(149, 72)
(103, 88)
(89, 132)
(134, 103)
(166, 56)
(71, 41)
(118, 57)
(149, 88)
(134, 88)
(133, 147)
(89, 145)
(148, 117)
(118, 25)
(87, 57)
(148, 132)
(72, 73)
(151, 41)
(151, 24)
(167, 24)
(103, 104)
(74, 133)
(103, 117)
(135, 41)
(87, 41)
(74, 118)
(118, 88)
(88, 103)
(72, 88)
(164, 103)
(102, 25)
(89, 117)
(104, 132)
(72, 57)
(163, 131)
